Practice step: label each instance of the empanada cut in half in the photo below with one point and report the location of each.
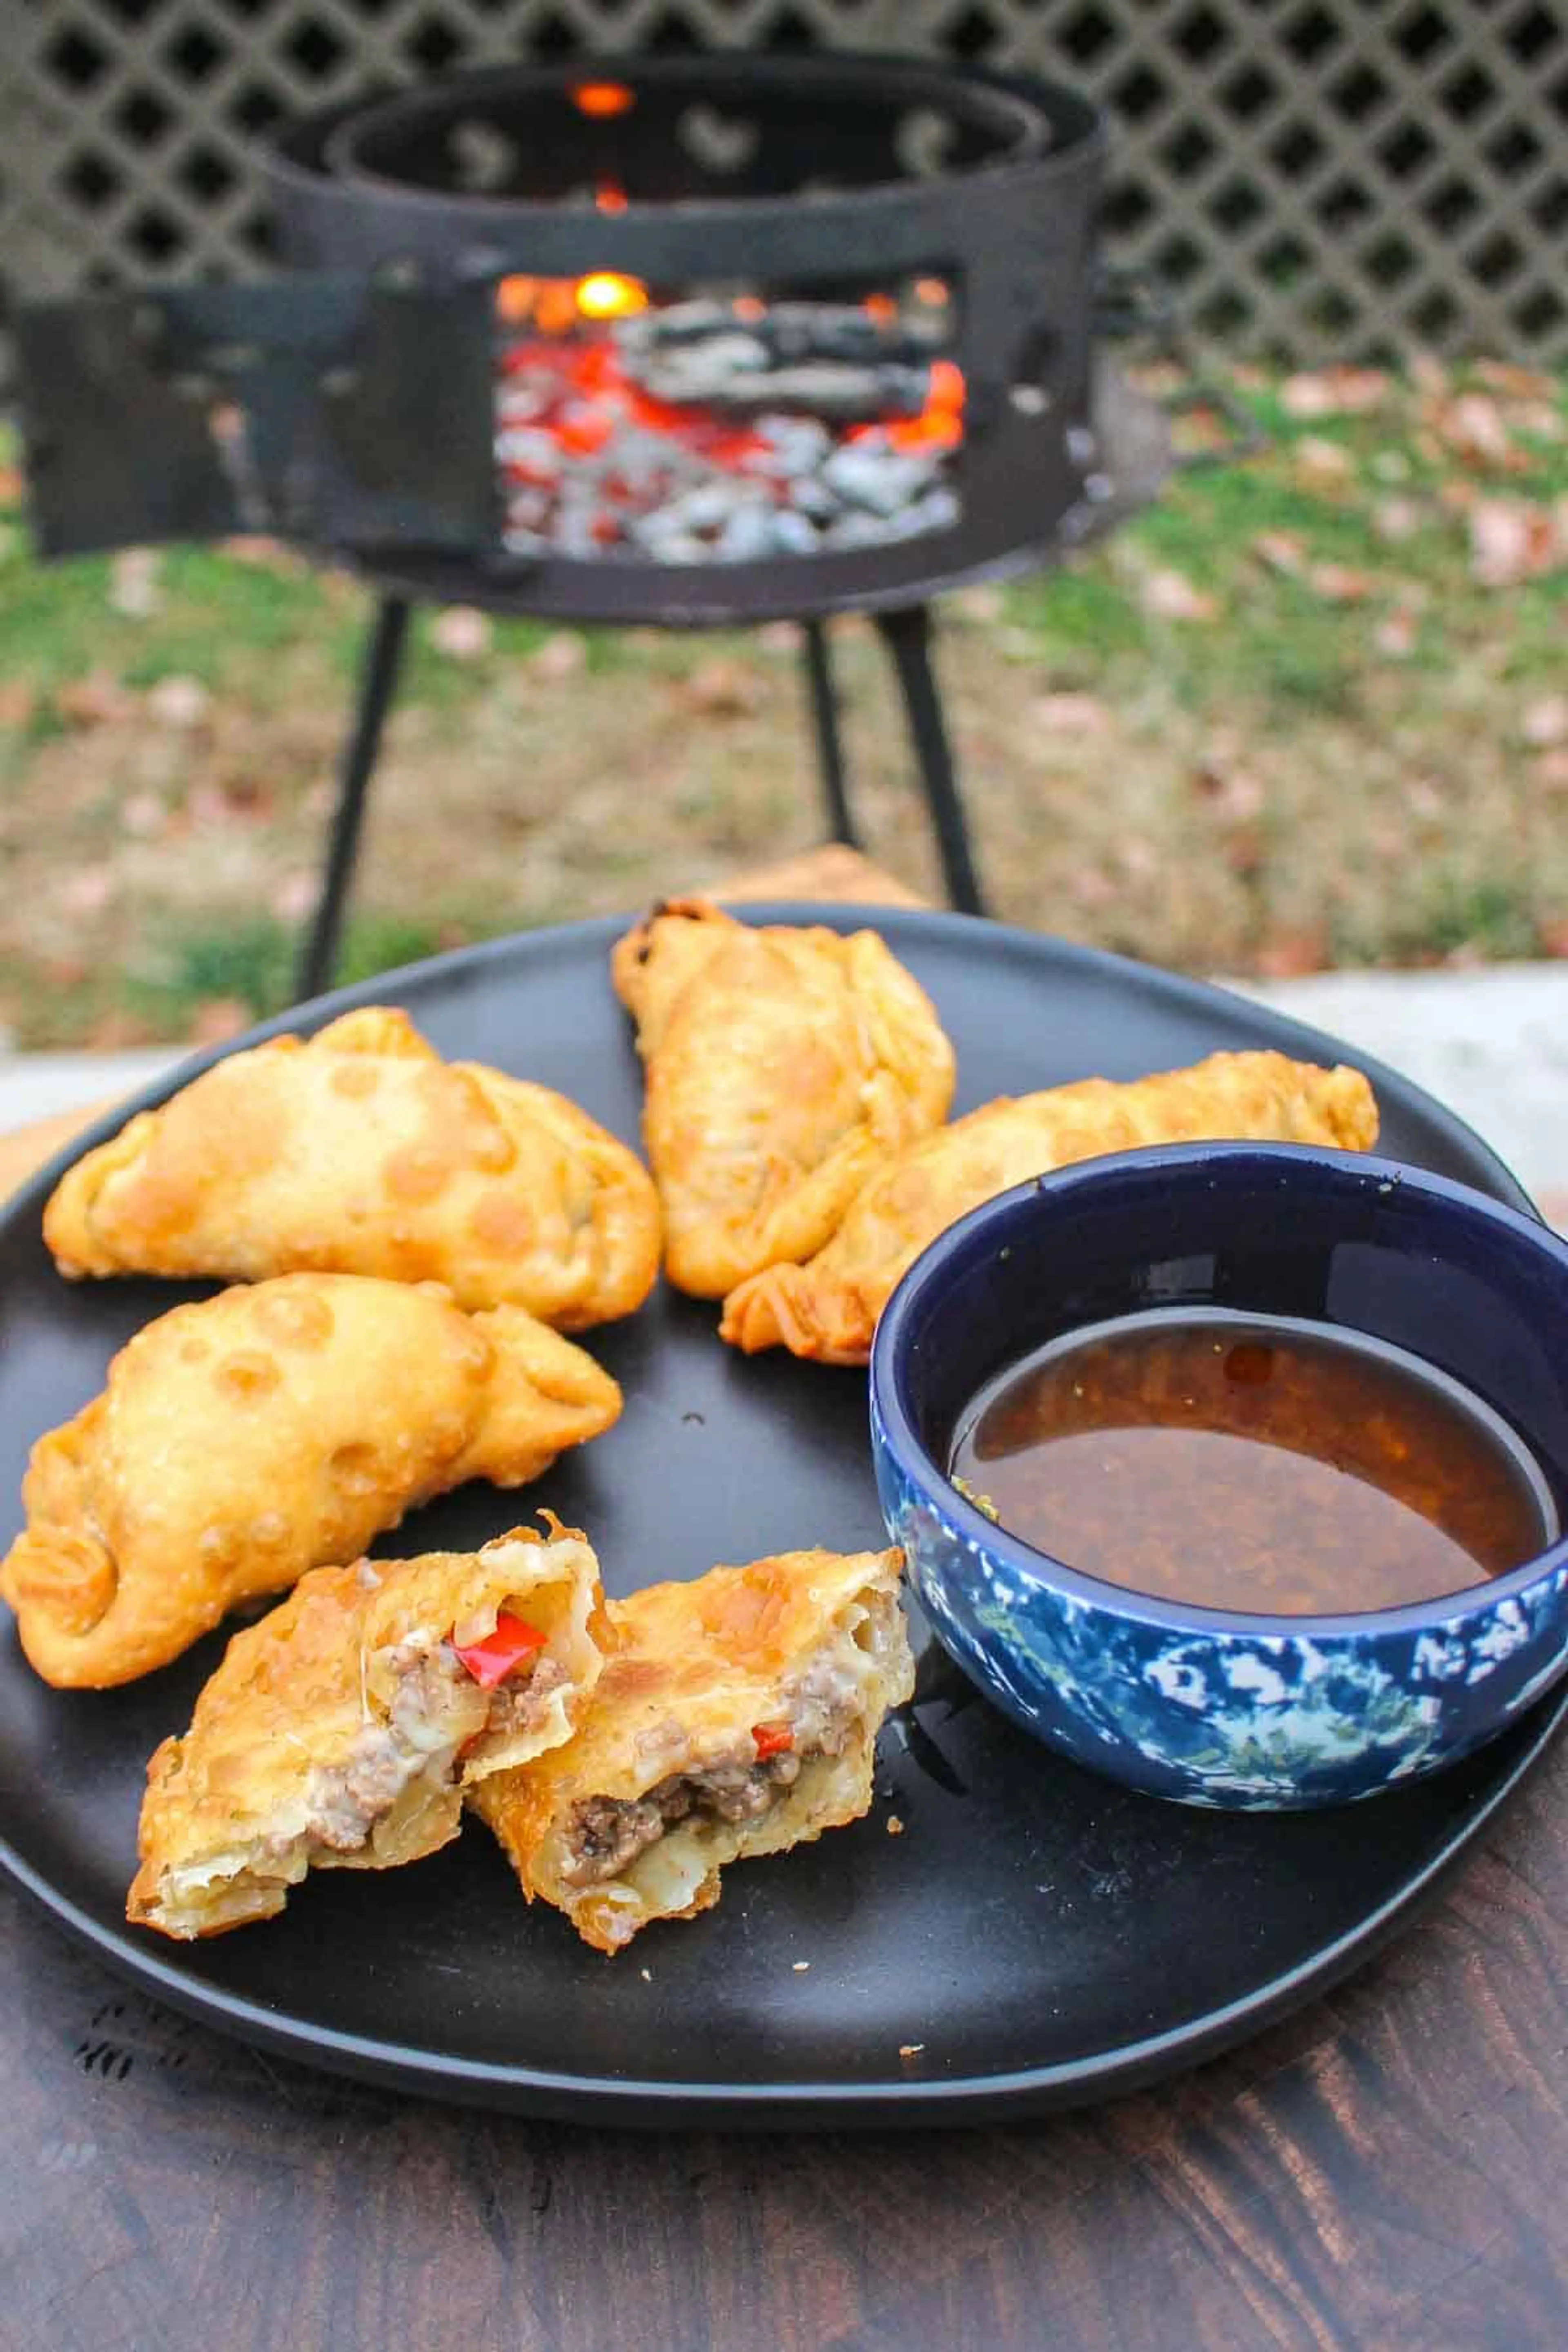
(277, 1427)
(826, 1305)
(736, 1715)
(360, 1151)
(340, 1733)
(783, 1066)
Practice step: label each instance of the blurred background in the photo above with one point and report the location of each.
(1308, 711)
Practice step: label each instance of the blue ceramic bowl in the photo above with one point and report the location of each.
(1211, 1707)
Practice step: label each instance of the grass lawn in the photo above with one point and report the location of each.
(1309, 711)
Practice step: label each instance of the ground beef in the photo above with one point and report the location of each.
(517, 1705)
(346, 1799)
(607, 1834)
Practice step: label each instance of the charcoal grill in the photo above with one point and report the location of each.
(680, 341)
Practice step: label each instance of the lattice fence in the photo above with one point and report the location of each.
(1312, 176)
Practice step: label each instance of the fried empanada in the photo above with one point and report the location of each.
(784, 1067)
(246, 1438)
(340, 1733)
(827, 1307)
(735, 1716)
(361, 1151)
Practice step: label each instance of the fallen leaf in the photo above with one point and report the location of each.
(1171, 597)
(1472, 425)
(983, 603)
(462, 633)
(1429, 375)
(1545, 721)
(10, 485)
(1340, 585)
(1397, 518)
(1235, 794)
(295, 897)
(1540, 419)
(142, 814)
(183, 702)
(1512, 540)
(134, 589)
(1091, 887)
(722, 688)
(18, 701)
(1395, 635)
(1070, 714)
(95, 700)
(1245, 849)
(1282, 551)
(1513, 382)
(1336, 390)
(563, 655)
(217, 1019)
(1288, 955)
(87, 891)
(118, 1032)
(1320, 465)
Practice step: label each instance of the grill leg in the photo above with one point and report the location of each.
(379, 669)
(907, 634)
(829, 749)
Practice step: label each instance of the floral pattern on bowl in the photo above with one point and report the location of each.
(1257, 1714)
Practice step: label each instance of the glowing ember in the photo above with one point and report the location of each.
(609, 199)
(603, 101)
(728, 428)
(604, 294)
(930, 290)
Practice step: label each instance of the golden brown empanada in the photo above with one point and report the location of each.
(827, 1307)
(249, 1437)
(736, 1716)
(361, 1151)
(340, 1733)
(783, 1066)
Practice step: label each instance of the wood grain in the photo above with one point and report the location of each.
(1383, 2171)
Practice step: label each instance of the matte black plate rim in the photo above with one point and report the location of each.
(661, 2104)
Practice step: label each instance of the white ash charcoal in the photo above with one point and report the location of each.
(525, 444)
(702, 372)
(856, 528)
(674, 324)
(939, 510)
(792, 534)
(842, 393)
(883, 481)
(748, 536)
(813, 497)
(528, 509)
(708, 508)
(799, 443)
(666, 544)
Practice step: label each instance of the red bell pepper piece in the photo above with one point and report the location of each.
(772, 1740)
(491, 1661)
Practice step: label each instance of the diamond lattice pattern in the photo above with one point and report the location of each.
(1311, 178)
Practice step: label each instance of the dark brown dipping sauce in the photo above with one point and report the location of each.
(1252, 1462)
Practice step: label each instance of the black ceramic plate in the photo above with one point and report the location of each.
(1035, 1935)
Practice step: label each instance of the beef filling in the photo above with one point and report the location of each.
(608, 1832)
(432, 1710)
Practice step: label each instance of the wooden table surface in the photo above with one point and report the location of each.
(1389, 2169)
